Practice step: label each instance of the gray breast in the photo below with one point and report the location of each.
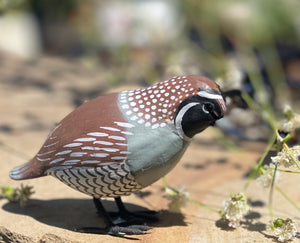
(154, 146)
(153, 152)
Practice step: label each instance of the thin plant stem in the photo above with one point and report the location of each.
(270, 204)
(204, 206)
(165, 183)
(282, 170)
(255, 170)
(287, 198)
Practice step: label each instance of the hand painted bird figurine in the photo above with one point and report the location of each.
(120, 143)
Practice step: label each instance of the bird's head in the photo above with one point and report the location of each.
(191, 103)
(203, 105)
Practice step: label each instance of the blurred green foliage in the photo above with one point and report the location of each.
(16, 195)
(11, 5)
(216, 39)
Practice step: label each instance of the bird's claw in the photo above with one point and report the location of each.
(138, 217)
(116, 230)
(128, 230)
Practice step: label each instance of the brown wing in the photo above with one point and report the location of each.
(92, 135)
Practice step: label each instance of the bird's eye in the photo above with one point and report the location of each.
(208, 107)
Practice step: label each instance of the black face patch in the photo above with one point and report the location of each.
(194, 98)
(195, 121)
(203, 113)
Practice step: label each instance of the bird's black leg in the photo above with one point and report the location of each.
(117, 229)
(137, 217)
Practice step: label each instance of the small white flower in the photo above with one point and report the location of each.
(292, 121)
(235, 209)
(177, 198)
(284, 157)
(266, 178)
(284, 229)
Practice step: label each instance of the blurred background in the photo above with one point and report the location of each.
(90, 47)
(56, 54)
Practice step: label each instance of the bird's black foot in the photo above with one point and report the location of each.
(134, 217)
(126, 224)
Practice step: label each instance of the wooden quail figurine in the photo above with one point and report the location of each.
(120, 143)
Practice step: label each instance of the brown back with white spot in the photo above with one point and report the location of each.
(156, 105)
(93, 134)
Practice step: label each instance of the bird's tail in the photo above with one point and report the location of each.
(25, 171)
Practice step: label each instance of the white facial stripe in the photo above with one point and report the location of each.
(207, 95)
(218, 97)
(223, 105)
(179, 117)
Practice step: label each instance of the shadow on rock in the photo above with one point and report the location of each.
(223, 225)
(72, 214)
(248, 224)
(256, 203)
(258, 227)
(253, 215)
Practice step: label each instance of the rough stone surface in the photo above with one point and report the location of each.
(34, 96)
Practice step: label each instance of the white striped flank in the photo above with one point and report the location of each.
(90, 162)
(99, 155)
(117, 138)
(50, 145)
(71, 145)
(110, 149)
(111, 129)
(98, 134)
(71, 162)
(103, 143)
(49, 152)
(208, 95)
(42, 160)
(84, 139)
(179, 117)
(63, 152)
(125, 124)
(56, 161)
(77, 154)
(90, 148)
